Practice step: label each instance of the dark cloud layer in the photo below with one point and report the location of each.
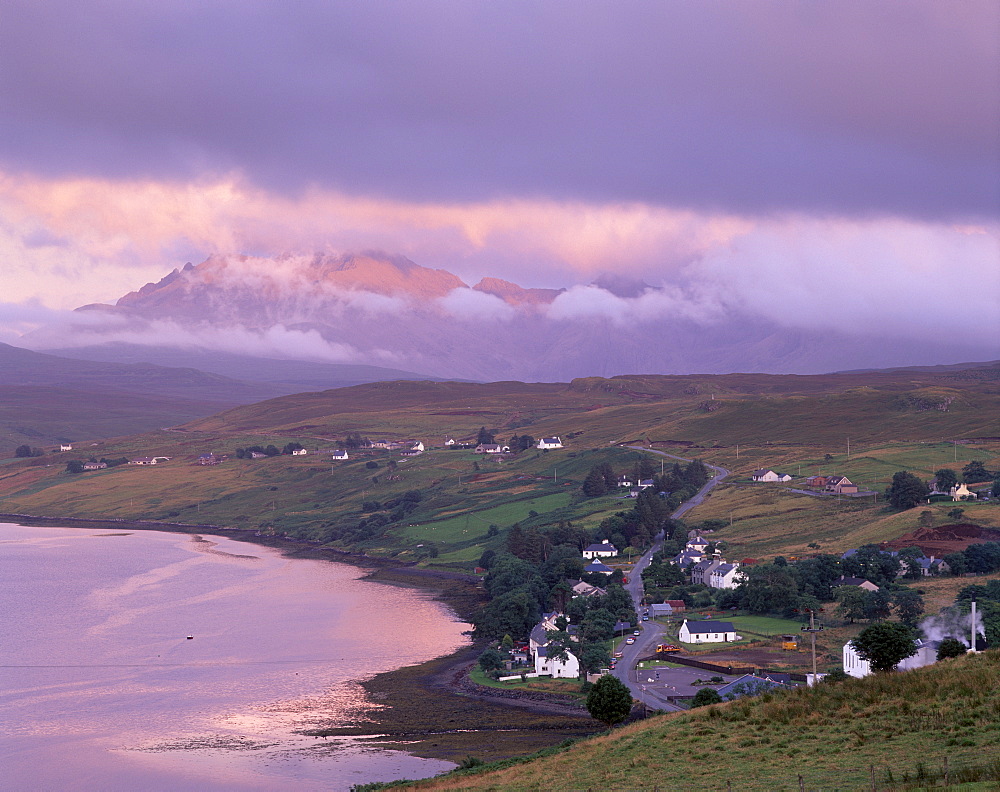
(850, 107)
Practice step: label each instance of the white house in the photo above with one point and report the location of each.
(143, 461)
(856, 667)
(449, 441)
(707, 632)
(725, 576)
(549, 442)
(417, 446)
(65, 446)
(299, 452)
(600, 550)
(960, 492)
(784, 477)
(340, 454)
(491, 448)
(700, 572)
(764, 475)
(568, 668)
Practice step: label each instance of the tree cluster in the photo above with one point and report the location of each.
(520, 443)
(247, 453)
(25, 451)
(906, 490)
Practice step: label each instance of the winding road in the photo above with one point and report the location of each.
(652, 632)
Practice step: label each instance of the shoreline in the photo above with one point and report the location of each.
(431, 709)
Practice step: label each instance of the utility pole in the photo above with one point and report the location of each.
(848, 448)
(812, 629)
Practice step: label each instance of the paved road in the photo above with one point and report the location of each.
(651, 632)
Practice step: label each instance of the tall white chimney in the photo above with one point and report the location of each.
(972, 647)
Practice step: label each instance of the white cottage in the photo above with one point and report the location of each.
(549, 442)
(600, 550)
(707, 632)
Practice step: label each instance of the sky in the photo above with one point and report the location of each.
(820, 165)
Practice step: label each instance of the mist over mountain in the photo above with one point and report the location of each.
(387, 311)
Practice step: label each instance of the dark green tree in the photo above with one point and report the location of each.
(975, 472)
(951, 647)
(22, 451)
(906, 490)
(594, 657)
(594, 484)
(945, 479)
(706, 696)
(885, 645)
(485, 437)
(851, 601)
(609, 701)
(74, 466)
(995, 489)
(491, 660)
(909, 605)
(877, 605)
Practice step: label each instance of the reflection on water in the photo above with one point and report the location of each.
(101, 687)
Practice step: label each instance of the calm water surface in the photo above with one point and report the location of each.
(100, 688)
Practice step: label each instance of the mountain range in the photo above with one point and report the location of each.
(387, 311)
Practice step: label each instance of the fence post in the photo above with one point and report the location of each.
(873, 779)
(946, 771)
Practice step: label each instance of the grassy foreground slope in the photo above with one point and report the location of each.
(904, 725)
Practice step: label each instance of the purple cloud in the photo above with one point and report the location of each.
(853, 108)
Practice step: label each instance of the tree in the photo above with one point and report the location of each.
(975, 471)
(22, 451)
(906, 490)
(909, 606)
(491, 660)
(485, 437)
(950, 647)
(852, 603)
(706, 696)
(609, 701)
(593, 657)
(74, 466)
(995, 489)
(885, 645)
(877, 605)
(594, 485)
(945, 479)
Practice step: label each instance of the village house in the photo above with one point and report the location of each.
(549, 442)
(554, 667)
(600, 550)
(148, 460)
(299, 452)
(752, 685)
(597, 566)
(725, 576)
(961, 492)
(449, 441)
(340, 455)
(701, 570)
(65, 446)
(817, 481)
(841, 485)
(583, 589)
(861, 583)
(492, 448)
(685, 557)
(207, 459)
(667, 608)
(707, 632)
(94, 465)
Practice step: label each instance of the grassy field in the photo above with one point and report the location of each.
(900, 727)
(754, 420)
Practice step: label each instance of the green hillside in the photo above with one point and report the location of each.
(903, 728)
(912, 420)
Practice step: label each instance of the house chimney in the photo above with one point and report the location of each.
(972, 646)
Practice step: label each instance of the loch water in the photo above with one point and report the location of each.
(101, 687)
